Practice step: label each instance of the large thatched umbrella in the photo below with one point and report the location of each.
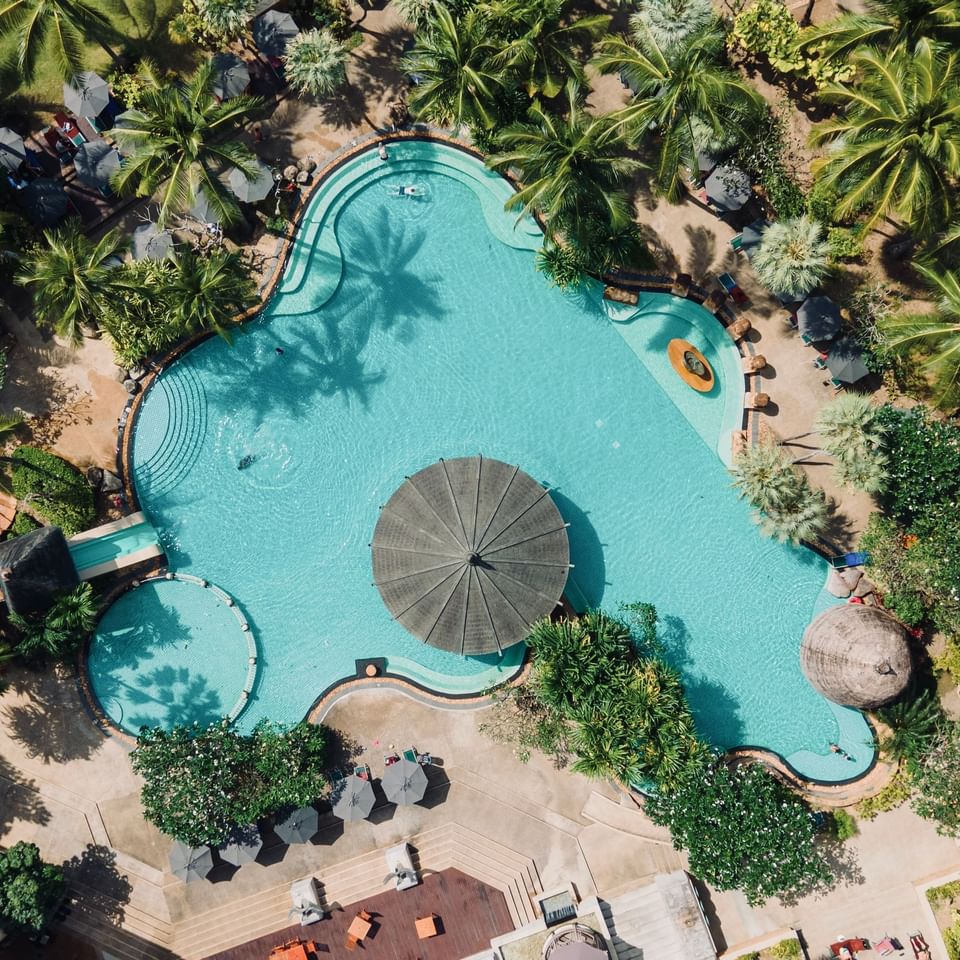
(468, 553)
(36, 568)
(857, 656)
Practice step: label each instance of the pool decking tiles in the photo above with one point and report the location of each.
(470, 914)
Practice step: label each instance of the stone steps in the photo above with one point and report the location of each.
(637, 925)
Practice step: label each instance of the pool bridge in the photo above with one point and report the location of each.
(115, 545)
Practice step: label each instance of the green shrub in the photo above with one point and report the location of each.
(788, 949)
(944, 893)
(822, 201)
(951, 937)
(905, 605)
(846, 243)
(128, 86)
(28, 888)
(277, 225)
(22, 523)
(893, 795)
(844, 825)
(55, 489)
(949, 660)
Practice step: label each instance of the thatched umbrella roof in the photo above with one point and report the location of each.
(35, 568)
(468, 553)
(857, 656)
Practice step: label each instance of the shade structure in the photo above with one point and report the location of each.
(251, 191)
(353, 798)
(242, 846)
(298, 826)
(44, 201)
(272, 31)
(404, 782)
(819, 318)
(149, 242)
(845, 361)
(203, 210)
(35, 569)
(231, 76)
(190, 863)
(87, 94)
(728, 188)
(468, 553)
(857, 656)
(751, 235)
(12, 150)
(96, 162)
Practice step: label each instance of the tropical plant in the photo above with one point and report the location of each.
(72, 278)
(894, 144)
(59, 631)
(670, 22)
(418, 12)
(56, 491)
(225, 18)
(208, 293)
(458, 82)
(896, 793)
(519, 718)
(540, 41)
(743, 829)
(672, 87)
(315, 63)
(767, 155)
(914, 726)
(793, 258)
(177, 144)
(851, 431)
(201, 782)
(886, 25)
(936, 781)
(54, 30)
(843, 827)
(29, 888)
(936, 334)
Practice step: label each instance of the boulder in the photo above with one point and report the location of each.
(111, 482)
(131, 386)
(94, 477)
(136, 373)
(864, 588)
(851, 577)
(836, 585)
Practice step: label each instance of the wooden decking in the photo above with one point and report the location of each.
(469, 914)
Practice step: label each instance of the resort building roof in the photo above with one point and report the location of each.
(34, 569)
(468, 553)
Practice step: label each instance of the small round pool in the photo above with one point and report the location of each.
(169, 651)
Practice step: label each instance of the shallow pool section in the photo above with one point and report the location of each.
(414, 328)
(170, 651)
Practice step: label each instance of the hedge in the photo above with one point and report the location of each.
(55, 489)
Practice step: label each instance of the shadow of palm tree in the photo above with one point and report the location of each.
(19, 799)
(104, 887)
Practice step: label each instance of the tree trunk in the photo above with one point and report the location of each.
(115, 57)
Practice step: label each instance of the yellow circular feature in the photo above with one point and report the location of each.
(691, 364)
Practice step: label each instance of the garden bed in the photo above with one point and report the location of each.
(945, 903)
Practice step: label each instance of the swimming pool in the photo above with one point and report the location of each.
(418, 329)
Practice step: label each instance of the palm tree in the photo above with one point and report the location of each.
(603, 751)
(73, 279)
(60, 630)
(673, 85)
(802, 518)
(670, 22)
(938, 333)
(315, 63)
(887, 25)
(56, 28)
(571, 168)
(458, 82)
(226, 19)
(176, 141)
(209, 293)
(894, 146)
(914, 726)
(542, 38)
(850, 431)
(793, 257)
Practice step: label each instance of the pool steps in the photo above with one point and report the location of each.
(113, 546)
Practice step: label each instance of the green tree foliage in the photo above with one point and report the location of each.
(315, 63)
(786, 506)
(72, 277)
(851, 431)
(60, 630)
(843, 826)
(673, 85)
(55, 489)
(764, 153)
(226, 18)
(28, 888)
(936, 782)
(178, 143)
(914, 725)
(793, 258)
(743, 829)
(936, 335)
(670, 22)
(894, 144)
(200, 782)
(519, 718)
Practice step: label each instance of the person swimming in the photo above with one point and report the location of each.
(246, 461)
(408, 191)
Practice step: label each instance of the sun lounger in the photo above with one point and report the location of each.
(921, 949)
(885, 947)
(411, 755)
(850, 560)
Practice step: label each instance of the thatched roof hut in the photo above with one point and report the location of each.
(857, 656)
(35, 568)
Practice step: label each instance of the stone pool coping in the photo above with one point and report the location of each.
(678, 286)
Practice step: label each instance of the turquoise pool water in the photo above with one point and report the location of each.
(418, 329)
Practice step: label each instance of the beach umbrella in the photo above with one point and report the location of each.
(231, 76)
(354, 798)
(728, 188)
(298, 826)
(404, 782)
(203, 210)
(242, 845)
(819, 318)
(845, 361)
(96, 162)
(250, 191)
(12, 150)
(86, 95)
(272, 31)
(190, 863)
(45, 201)
(149, 242)
(468, 553)
(751, 236)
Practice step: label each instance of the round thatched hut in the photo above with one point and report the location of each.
(857, 656)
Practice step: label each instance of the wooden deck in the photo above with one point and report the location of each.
(470, 914)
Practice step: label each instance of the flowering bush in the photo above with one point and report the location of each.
(937, 783)
(28, 888)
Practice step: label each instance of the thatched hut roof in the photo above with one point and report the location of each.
(35, 568)
(857, 656)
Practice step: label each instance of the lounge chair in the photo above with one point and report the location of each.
(921, 949)
(351, 942)
(820, 363)
(885, 947)
(411, 755)
(850, 560)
